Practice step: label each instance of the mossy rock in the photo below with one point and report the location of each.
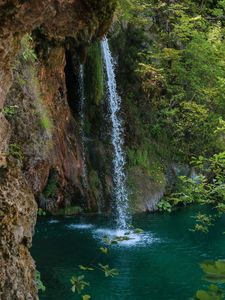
(94, 75)
(68, 211)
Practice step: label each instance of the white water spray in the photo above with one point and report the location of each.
(82, 134)
(121, 197)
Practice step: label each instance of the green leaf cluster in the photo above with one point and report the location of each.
(39, 282)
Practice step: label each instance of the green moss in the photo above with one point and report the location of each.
(27, 77)
(94, 182)
(94, 74)
(148, 161)
(16, 151)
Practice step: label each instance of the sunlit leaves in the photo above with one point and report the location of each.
(138, 231)
(83, 268)
(86, 297)
(104, 250)
(39, 282)
(214, 271)
(78, 284)
(108, 272)
(213, 293)
(202, 223)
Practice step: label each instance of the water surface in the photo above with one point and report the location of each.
(161, 264)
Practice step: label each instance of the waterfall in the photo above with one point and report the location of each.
(82, 133)
(119, 178)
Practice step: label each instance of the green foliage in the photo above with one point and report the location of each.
(78, 283)
(206, 188)
(108, 272)
(86, 297)
(41, 212)
(144, 159)
(39, 282)
(28, 52)
(203, 222)
(214, 272)
(28, 80)
(10, 110)
(94, 182)
(213, 293)
(94, 75)
(16, 151)
(175, 60)
(83, 268)
(138, 231)
(51, 187)
(164, 205)
(104, 250)
(45, 122)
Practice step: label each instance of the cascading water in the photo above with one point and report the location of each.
(82, 134)
(119, 178)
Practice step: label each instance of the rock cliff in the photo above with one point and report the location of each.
(40, 152)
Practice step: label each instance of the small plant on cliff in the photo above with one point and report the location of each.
(16, 151)
(39, 282)
(9, 111)
(28, 52)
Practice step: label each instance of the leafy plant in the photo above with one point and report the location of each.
(41, 212)
(39, 282)
(86, 297)
(214, 272)
(83, 268)
(203, 222)
(78, 284)
(28, 52)
(213, 293)
(108, 272)
(164, 205)
(10, 110)
(16, 151)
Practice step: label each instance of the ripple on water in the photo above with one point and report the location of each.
(79, 226)
(53, 221)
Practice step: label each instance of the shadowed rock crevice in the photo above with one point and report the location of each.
(72, 84)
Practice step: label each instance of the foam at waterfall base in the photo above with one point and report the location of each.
(143, 239)
(79, 226)
(53, 221)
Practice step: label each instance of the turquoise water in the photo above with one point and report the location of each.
(161, 264)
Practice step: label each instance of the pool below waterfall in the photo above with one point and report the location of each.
(160, 264)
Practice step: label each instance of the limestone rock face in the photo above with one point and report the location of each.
(58, 22)
(17, 221)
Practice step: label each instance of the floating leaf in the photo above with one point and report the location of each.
(106, 240)
(86, 297)
(213, 293)
(109, 272)
(138, 230)
(78, 284)
(83, 268)
(214, 270)
(104, 250)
